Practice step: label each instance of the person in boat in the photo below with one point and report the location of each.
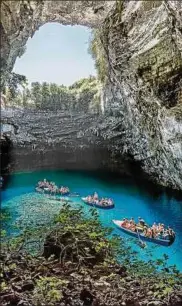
(161, 234)
(133, 227)
(102, 201)
(145, 231)
(141, 222)
(166, 234)
(110, 202)
(154, 226)
(152, 233)
(127, 224)
(61, 189)
(171, 233)
(155, 229)
(124, 222)
(45, 183)
(95, 196)
(159, 227)
(132, 221)
(89, 199)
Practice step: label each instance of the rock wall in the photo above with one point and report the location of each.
(142, 98)
(59, 140)
(143, 43)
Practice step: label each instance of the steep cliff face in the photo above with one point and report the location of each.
(67, 140)
(143, 42)
(142, 99)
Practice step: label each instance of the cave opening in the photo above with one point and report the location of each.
(54, 93)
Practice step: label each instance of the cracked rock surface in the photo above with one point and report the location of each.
(142, 98)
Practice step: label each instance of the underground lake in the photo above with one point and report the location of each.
(131, 200)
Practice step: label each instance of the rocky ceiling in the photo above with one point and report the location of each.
(143, 95)
(20, 20)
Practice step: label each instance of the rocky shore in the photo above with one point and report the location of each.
(77, 267)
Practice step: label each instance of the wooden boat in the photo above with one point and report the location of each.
(97, 205)
(163, 242)
(64, 193)
(41, 190)
(47, 191)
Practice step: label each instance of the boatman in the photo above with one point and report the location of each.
(95, 196)
(141, 222)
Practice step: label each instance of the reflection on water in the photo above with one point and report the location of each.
(130, 201)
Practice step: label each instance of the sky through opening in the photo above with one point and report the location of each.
(57, 54)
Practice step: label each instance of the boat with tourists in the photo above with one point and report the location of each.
(156, 233)
(94, 201)
(51, 188)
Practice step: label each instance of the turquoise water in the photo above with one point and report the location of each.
(130, 201)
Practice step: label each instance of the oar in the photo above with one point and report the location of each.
(140, 240)
(76, 194)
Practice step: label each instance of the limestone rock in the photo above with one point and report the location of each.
(142, 100)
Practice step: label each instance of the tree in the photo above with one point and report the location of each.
(54, 97)
(36, 94)
(46, 101)
(14, 81)
(26, 96)
(97, 52)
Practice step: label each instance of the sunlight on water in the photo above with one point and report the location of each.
(29, 208)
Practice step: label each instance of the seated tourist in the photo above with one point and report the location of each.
(152, 233)
(110, 202)
(127, 223)
(95, 196)
(132, 226)
(142, 222)
(171, 232)
(154, 226)
(166, 234)
(145, 231)
(132, 221)
(149, 232)
(124, 222)
(102, 201)
(140, 225)
(160, 227)
(89, 199)
(161, 233)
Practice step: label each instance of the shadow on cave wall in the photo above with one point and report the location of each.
(146, 183)
(6, 159)
(141, 181)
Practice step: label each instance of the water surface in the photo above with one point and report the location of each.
(130, 201)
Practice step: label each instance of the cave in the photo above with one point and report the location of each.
(6, 159)
(149, 132)
(76, 173)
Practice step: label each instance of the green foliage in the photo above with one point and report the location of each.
(36, 94)
(97, 51)
(14, 81)
(78, 245)
(80, 239)
(48, 290)
(80, 96)
(4, 219)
